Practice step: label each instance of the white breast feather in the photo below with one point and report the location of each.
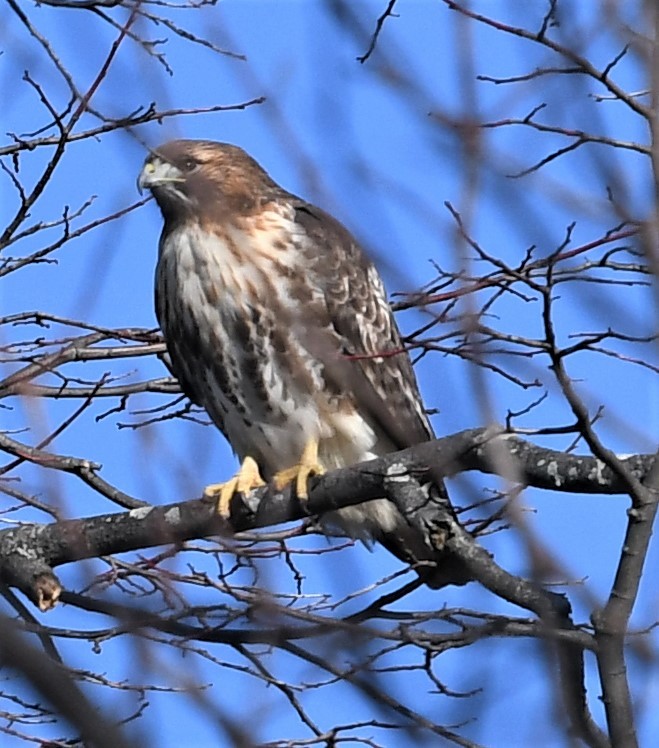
(344, 438)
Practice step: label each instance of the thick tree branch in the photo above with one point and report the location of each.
(28, 554)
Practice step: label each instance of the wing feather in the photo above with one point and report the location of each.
(373, 361)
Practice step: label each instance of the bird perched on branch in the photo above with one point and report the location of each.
(278, 325)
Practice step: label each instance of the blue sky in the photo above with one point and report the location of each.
(373, 144)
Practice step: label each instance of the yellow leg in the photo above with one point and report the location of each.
(247, 478)
(301, 472)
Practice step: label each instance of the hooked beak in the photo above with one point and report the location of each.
(157, 172)
(145, 176)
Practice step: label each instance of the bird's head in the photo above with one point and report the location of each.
(205, 179)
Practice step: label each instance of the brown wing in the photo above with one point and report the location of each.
(384, 386)
(373, 363)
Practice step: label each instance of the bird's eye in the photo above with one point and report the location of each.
(190, 164)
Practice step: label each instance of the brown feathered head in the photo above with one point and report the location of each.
(201, 176)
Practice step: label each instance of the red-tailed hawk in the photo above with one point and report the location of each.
(278, 325)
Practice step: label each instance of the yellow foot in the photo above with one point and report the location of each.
(301, 472)
(247, 478)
